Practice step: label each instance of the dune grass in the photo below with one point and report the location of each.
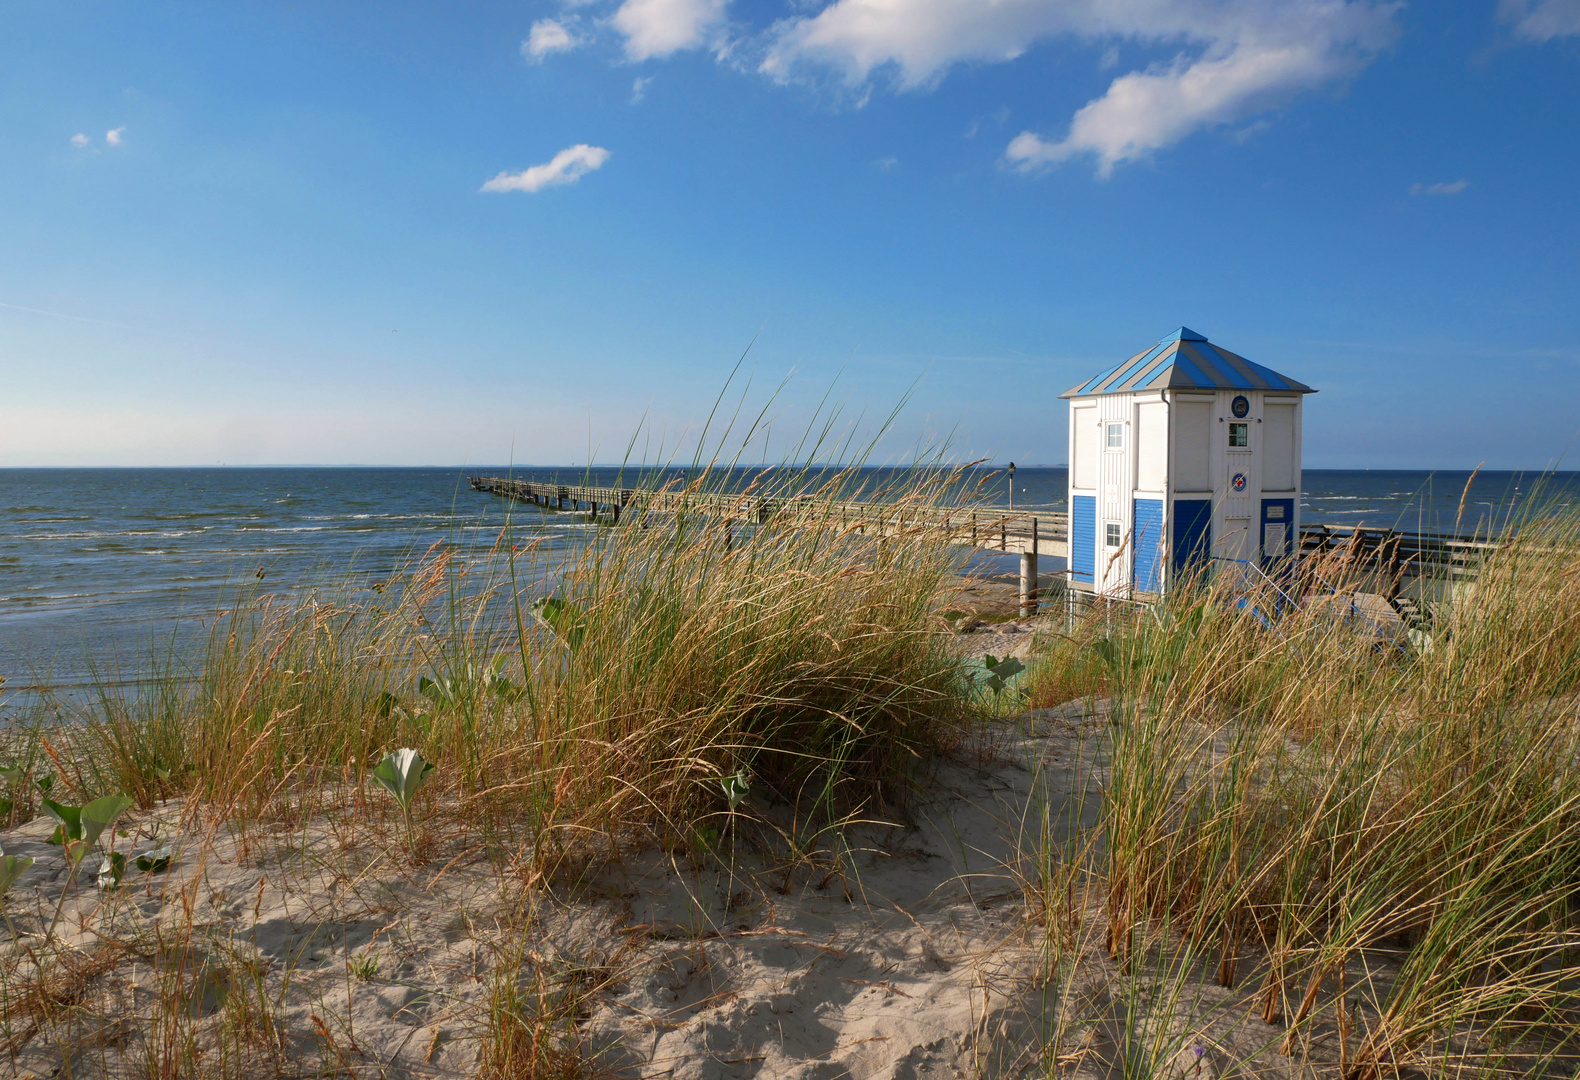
(1379, 842)
(1382, 841)
(576, 706)
(678, 650)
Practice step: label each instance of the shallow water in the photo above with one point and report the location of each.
(98, 564)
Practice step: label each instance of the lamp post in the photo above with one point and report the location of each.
(1012, 486)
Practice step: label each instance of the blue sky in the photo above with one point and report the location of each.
(407, 234)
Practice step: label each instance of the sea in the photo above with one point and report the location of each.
(101, 569)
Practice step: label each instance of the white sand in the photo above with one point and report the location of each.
(900, 950)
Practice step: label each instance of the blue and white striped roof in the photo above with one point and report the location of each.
(1186, 361)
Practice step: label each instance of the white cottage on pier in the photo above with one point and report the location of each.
(1182, 451)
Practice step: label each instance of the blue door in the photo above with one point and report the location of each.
(1192, 533)
(1083, 537)
(1278, 519)
(1148, 541)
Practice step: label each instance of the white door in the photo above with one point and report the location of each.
(1235, 542)
(1113, 555)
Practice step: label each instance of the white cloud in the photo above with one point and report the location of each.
(661, 27)
(113, 136)
(547, 36)
(1440, 189)
(1237, 57)
(79, 139)
(567, 167)
(1541, 20)
(639, 87)
(884, 164)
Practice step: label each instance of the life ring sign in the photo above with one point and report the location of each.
(1239, 481)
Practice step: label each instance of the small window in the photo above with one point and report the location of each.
(1239, 436)
(1116, 436)
(1112, 534)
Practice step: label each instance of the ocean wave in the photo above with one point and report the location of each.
(285, 528)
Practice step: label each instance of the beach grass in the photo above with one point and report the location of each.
(1377, 836)
(1372, 839)
(673, 651)
(574, 708)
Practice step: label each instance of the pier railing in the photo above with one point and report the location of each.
(1398, 556)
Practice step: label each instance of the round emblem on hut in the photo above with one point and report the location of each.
(1240, 406)
(1239, 481)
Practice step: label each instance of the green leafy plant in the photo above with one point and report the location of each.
(736, 788)
(401, 773)
(155, 861)
(78, 830)
(706, 838)
(365, 967)
(11, 868)
(566, 620)
(447, 691)
(79, 827)
(112, 871)
(1000, 672)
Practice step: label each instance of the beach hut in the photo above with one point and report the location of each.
(1184, 451)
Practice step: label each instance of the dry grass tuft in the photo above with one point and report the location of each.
(1309, 801)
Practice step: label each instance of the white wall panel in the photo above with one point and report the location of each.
(1192, 443)
(1152, 446)
(1278, 448)
(1083, 429)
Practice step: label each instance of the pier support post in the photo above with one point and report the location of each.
(1028, 574)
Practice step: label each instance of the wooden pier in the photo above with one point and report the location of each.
(1410, 570)
(1028, 536)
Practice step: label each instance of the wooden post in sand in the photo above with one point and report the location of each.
(1028, 575)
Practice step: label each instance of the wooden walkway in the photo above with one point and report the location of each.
(987, 530)
(1386, 562)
